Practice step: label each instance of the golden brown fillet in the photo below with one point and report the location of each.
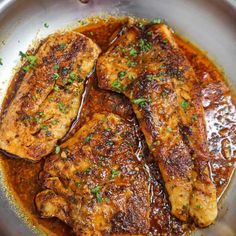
(203, 202)
(96, 184)
(131, 66)
(49, 95)
(162, 86)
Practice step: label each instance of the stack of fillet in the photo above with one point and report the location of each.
(94, 182)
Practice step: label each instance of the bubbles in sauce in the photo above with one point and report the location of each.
(22, 176)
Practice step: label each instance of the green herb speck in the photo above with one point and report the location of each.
(194, 118)
(46, 25)
(169, 129)
(56, 88)
(56, 66)
(140, 101)
(116, 84)
(88, 138)
(57, 149)
(133, 52)
(55, 76)
(62, 107)
(156, 21)
(184, 104)
(121, 74)
(62, 46)
(114, 173)
(44, 127)
(96, 191)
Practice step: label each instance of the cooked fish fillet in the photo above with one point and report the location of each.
(49, 95)
(147, 66)
(203, 202)
(96, 184)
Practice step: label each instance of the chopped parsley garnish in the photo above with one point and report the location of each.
(133, 52)
(184, 104)
(198, 206)
(110, 142)
(116, 84)
(54, 122)
(104, 119)
(140, 101)
(87, 170)
(62, 107)
(149, 77)
(22, 55)
(56, 88)
(141, 24)
(168, 161)
(72, 77)
(153, 144)
(121, 74)
(57, 149)
(46, 25)
(62, 46)
(78, 184)
(55, 76)
(37, 119)
(156, 21)
(56, 66)
(131, 63)
(41, 114)
(114, 173)
(44, 127)
(1, 62)
(149, 33)
(96, 191)
(144, 45)
(34, 97)
(169, 129)
(31, 59)
(88, 138)
(194, 118)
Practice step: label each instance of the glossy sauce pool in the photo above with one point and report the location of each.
(22, 176)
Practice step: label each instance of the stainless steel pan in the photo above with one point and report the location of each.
(211, 24)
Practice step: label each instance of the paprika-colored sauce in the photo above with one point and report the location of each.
(22, 176)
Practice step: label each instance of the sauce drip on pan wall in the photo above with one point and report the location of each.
(22, 176)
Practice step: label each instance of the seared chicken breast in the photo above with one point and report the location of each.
(95, 183)
(49, 95)
(146, 65)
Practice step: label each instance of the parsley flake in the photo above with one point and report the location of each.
(88, 138)
(157, 21)
(116, 84)
(121, 74)
(46, 25)
(44, 127)
(114, 173)
(184, 104)
(55, 76)
(194, 118)
(140, 101)
(57, 149)
(56, 88)
(133, 52)
(62, 107)
(96, 191)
